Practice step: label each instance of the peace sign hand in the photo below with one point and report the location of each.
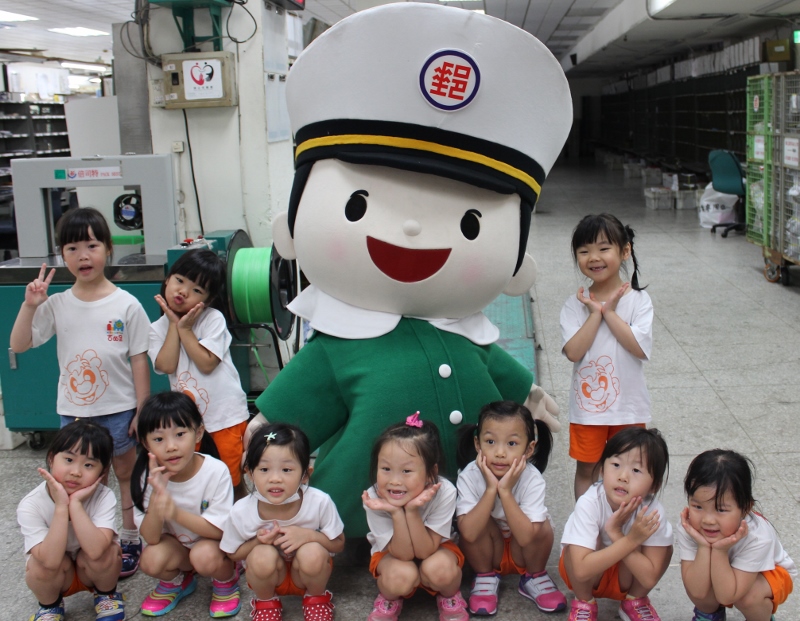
(36, 291)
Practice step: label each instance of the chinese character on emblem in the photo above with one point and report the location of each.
(449, 79)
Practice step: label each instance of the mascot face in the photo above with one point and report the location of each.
(84, 379)
(596, 387)
(404, 242)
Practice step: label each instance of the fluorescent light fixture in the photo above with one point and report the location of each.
(5, 16)
(80, 31)
(460, 0)
(85, 66)
(481, 11)
(771, 6)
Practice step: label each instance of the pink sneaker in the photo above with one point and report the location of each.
(225, 596)
(167, 594)
(318, 607)
(452, 608)
(639, 609)
(483, 595)
(582, 611)
(385, 610)
(543, 591)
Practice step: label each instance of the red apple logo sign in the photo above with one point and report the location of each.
(201, 75)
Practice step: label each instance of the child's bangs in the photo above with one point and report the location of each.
(167, 419)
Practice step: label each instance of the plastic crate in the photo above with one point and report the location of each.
(658, 198)
(685, 199)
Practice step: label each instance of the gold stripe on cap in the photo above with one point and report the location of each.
(421, 145)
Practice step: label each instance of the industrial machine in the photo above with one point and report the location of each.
(260, 282)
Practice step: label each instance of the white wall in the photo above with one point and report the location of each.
(242, 180)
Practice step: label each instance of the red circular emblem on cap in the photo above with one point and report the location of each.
(449, 79)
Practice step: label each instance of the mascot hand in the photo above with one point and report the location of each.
(254, 424)
(543, 407)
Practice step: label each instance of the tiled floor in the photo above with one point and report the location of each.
(725, 359)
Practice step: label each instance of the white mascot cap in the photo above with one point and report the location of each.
(431, 89)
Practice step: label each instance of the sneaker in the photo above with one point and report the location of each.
(582, 611)
(639, 609)
(52, 613)
(167, 595)
(483, 594)
(130, 557)
(225, 596)
(452, 608)
(385, 610)
(718, 615)
(543, 591)
(266, 609)
(318, 607)
(109, 607)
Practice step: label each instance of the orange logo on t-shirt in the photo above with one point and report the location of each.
(188, 385)
(84, 380)
(595, 386)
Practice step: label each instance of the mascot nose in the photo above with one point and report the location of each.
(411, 228)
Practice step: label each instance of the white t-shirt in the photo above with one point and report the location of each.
(208, 493)
(528, 492)
(608, 386)
(218, 395)
(94, 343)
(437, 515)
(586, 526)
(759, 551)
(317, 512)
(35, 515)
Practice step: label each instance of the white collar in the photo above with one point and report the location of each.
(328, 315)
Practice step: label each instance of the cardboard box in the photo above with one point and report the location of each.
(685, 199)
(777, 50)
(658, 198)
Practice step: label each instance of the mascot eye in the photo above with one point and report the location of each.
(356, 206)
(471, 224)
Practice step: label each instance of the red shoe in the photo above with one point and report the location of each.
(318, 607)
(266, 609)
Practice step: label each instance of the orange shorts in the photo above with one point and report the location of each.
(76, 587)
(507, 564)
(447, 545)
(288, 587)
(230, 445)
(586, 442)
(609, 583)
(781, 584)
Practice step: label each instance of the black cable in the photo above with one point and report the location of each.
(241, 3)
(191, 167)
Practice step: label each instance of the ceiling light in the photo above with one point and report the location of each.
(5, 16)
(85, 67)
(771, 6)
(460, 0)
(80, 31)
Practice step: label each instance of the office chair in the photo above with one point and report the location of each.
(727, 177)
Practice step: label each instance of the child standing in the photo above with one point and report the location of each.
(182, 507)
(503, 522)
(617, 543)
(67, 522)
(410, 511)
(191, 343)
(607, 333)
(730, 554)
(285, 531)
(102, 338)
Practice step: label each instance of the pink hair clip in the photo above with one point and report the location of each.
(414, 420)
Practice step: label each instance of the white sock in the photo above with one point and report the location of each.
(129, 535)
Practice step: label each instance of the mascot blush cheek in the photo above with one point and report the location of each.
(420, 154)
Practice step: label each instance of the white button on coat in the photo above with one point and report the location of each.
(445, 371)
(456, 417)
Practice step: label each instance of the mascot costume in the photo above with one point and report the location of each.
(423, 135)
